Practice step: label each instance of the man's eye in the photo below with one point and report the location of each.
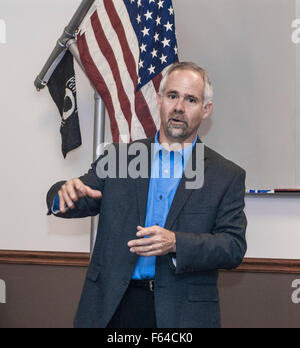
(192, 100)
(172, 96)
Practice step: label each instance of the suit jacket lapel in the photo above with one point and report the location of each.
(182, 194)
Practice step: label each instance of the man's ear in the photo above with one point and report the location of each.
(207, 110)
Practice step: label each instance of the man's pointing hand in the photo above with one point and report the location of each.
(71, 191)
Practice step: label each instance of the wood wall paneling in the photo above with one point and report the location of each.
(82, 260)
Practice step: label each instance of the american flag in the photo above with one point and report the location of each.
(125, 47)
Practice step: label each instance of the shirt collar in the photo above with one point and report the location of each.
(185, 152)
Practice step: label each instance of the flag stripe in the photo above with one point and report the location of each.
(141, 107)
(99, 82)
(111, 59)
(118, 27)
(156, 82)
(131, 43)
(149, 94)
(144, 114)
(137, 130)
(104, 69)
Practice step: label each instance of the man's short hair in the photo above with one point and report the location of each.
(208, 88)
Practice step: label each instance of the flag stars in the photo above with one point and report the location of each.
(171, 11)
(156, 37)
(168, 26)
(166, 42)
(160, 4)
(154, 53)
(151, 69)
(145, 31)
(158, 20)
(143, 48)
(148, 15)
(163, 59)
(153, 21)
(141, 64)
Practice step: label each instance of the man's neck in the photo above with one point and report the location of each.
(175, 144)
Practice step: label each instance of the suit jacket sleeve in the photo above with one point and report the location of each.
(85, 206)
(225, 246)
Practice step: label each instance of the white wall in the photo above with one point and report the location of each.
(246, 47)
(31, 160)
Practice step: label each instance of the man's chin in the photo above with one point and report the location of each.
(177, 134)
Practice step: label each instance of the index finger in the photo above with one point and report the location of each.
(93, 193)
(79, 185)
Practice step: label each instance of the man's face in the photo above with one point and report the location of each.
(181, 107)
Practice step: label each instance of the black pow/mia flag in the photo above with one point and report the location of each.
(62, 87)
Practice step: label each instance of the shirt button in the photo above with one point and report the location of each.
(160, 197)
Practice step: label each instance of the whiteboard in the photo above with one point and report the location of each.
(246, 47)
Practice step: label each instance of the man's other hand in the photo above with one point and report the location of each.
(159, 241)
(71, 191)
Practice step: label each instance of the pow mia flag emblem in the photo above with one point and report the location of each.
(62, 87)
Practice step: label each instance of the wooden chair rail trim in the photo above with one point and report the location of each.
(259, 265)
(44, 258)
(49, 258)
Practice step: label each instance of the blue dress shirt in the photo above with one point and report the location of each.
(166, 173)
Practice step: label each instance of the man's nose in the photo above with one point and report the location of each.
(179, 107)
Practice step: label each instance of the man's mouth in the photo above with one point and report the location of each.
(177, 122)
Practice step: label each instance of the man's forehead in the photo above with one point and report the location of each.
(185, 80)
(191, 74)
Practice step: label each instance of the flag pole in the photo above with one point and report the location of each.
(68, 42)
(99, 130)
(60, 48)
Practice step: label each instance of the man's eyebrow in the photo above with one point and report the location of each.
(191, 96)
(172, 91)
(186, 95)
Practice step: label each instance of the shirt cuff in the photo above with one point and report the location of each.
(174, 261)
(55, 206)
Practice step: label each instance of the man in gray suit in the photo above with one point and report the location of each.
(160, 242)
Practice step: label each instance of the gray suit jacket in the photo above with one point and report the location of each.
(209, 224)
